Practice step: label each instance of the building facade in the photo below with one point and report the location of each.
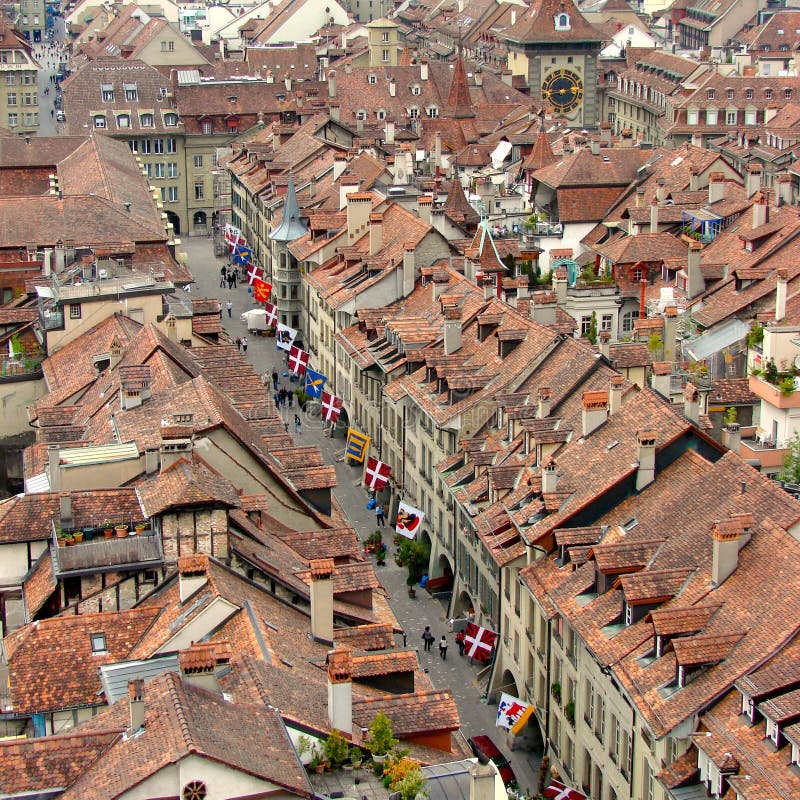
(19, 98)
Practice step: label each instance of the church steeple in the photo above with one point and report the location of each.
(459, 103)
(292, 226)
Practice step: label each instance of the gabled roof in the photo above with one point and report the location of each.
(537, 26)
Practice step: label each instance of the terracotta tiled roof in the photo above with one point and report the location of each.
(411, 714)
(374, 664)
(324, 543)
(537, 25)
(378, 636)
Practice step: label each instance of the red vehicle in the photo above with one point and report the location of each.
(484, 746)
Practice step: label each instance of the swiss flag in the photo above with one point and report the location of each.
(272, 314)
(236, 241)
(331, 407)
(298, 360)
(558, 791)
(254, 273)
(261, 290)
(377, 475)
(478, 642)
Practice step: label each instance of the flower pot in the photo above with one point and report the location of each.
(69, 541)
(122, 531)
(378, 759)
(108, 533)
(78, 536)
(319, 769)
(140, 528)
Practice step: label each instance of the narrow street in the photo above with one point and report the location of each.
(49, 55)
(454, 673)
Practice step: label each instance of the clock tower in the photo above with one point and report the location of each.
(556, 49)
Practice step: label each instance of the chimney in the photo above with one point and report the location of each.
(716, 187)
(424, 207)
(335, 111)
(780, 294)
(375, 233)
(477, 76)
(595, 411)
(287, 82)
(760, 210)
(359, 207)
(549, 476)
(198, 666)
(47, 268)
(725, 550)
(646, 473)
(54, 467)
(543, 309)
(392, 88)
(340, 690)
(423, 69)
(661, 190)
(732, 436)
(694, 179)
(339, 166)
(560, 285)
(389, 132)
(691, 403)
(452, 330)
(605, 133)
(65, 509)
(115, 351)
(409, 268)
(332, 84)
(440, 281)
(654, 216)
(594, 147)
(136, 703)
(151, 461)
(752, 179)
(605, 349)
(482, 780)
(615, 394)
(695, 282)
(640, 197)
(437, 152)
(61, 257)
(322, 599)
(784, 195)
(544, 396)
(192, 575)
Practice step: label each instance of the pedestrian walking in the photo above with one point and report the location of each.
(379, 515)
(277, 400)
(244, 344)
(282, 395)
(223, 276)
(427, 638)
(239, 344)
(275, 380)
(234, 278)
(297, 424)
(460, 642)
(229, 306)
(290, 397)
(443, 648)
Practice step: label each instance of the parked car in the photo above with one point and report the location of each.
(60, 116)
(484, 746)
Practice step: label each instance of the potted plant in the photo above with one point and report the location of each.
(108, 528)
(336, 749)
(381, 739)
(317, 764)
(380, 555)
(140, 527)
(77, 536)
(121, 530)
(410, 581)
(556, 691)
(356, 757)
(569, 710)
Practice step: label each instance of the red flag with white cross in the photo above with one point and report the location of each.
(298, 360)
(254, 273)
(558, 791)
(377, 474)
(479, 642)
(272, 315)
(331, 407)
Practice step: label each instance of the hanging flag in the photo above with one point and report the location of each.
(520, 724)
(408, 520)
(232, 233)
(272, 314)
(254, 273)
(376, 476)
(298, 360)
(558, 791)
(284, 336)
(314, 383)
(331, 407)
(261, 290)
(241, 254)
(479, 642)
(509, 710)
(357, 445)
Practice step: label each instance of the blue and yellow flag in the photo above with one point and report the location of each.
(357, 445)
(314, 383)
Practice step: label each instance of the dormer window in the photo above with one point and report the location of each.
(432, 111)
(416, 90)
(768, 94)
(784, 48)
(561, 22)
(729, 94)
(170, 120)
(710, 94)
(98, 641)
(748, 93)
(131, 92)
(787, 94)
(380, 114)
(146, 120)
(372, 79)
(361, 114)
(107, 92)
(413, 112)
(99, 121)
(124, 121)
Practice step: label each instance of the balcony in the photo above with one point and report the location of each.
(782, 395)
(700, 225)
(141, 551)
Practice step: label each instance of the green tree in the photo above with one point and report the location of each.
(654, 345)
(791, 461)
(591, 334)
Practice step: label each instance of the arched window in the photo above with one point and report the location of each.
(124, 121)
(170, 119)
(146, 120)
(99, 121)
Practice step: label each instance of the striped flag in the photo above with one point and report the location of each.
(357, 445)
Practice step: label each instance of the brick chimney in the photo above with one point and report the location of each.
(646, 447)
(549, 476)
(604, 338)
(409, 268)
(452, 330)
(340, 690)
(760, 210)
(322, 599)
(654, 216)
(695, 282)
(198, 666)
(192, 575)
(375, 233)
(544, 397)
(752, 179)
(725, 549)
(359, 208)
(615, 394)
(716, 187)
(691, 403)
(136, 704)
(780, 293)
(595, 411)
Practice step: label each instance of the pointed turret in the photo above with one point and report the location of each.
(541, 155)
(292, 226)
(459, 104)
(458, 210)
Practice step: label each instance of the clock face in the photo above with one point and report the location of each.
(563, 90)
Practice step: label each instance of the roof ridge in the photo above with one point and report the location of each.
(176, 695)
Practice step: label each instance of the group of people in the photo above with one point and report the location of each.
(428, 639)
(284, 397)
(242, 343)
(228, 275)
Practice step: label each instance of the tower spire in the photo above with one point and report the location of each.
(292, 226)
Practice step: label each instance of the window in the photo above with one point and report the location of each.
(167, 46)
(638, 274)
(148, 168)
(605, 322)
(416, 90)
(562, 22)
(158, 145)
(134, 145)
(171, 120)
(361, 114)
(124, 121)
(163, 193)
(730, 117)
(628, 614)
(11, 79)
(172, 145)
(710, 94)
(413, 112)
(198, 162)
(107, 92)
(748, 93)
(385, 36)
(146, 120)
(12, 98)
(711, 116)
(172, 194)
(194, 790)
(172, 169)
(207, 128)
(384, 56)
(627, 320)
(586, 324)
(145, 146)
(74, 310)
(783, 47)
(648, 782)
(131, 93)
(98, 640)
(199, 190)
(159, 170)
(750, 116)
(768, 94)
(432, 111)
(372, 80)
(29, 99)
(691, 117)
(787, 94)
(99, 121)
(380, 114)
(729, 94)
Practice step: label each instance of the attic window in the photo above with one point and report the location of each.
(194, 790)
(380, 113)
(416, 90)
(124, 121)
(748, 93)
(107, 92)
(361, 114)
(99, 121)
(710, 94)
(372, 79)
(787, 94)
(130, 92)
(768, 94)
(729, 94)
(232, 98)
(561, 22)
(146, 120)
(172, 119)
(630, 524)
(98, 641)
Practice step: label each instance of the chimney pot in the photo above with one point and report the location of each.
(322, 599)
(136, 703)
(595, 411)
